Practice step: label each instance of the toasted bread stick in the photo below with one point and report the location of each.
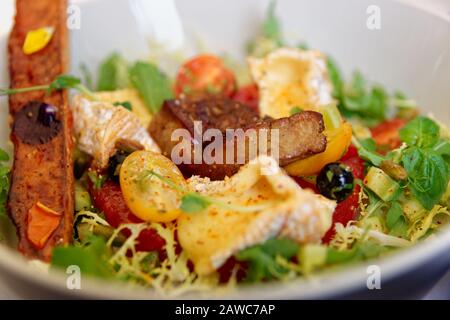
(299, 136)
(42, 170)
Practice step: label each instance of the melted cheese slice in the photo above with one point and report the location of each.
(100, 126)
(289, 78)
(210, 237)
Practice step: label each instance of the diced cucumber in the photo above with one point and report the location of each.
(82, 198)
(380, 183)
(312, 257)
(412, 209)
(373, 223)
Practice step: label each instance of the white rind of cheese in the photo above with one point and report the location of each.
(210, 237)
(99, 126)
(291, 77)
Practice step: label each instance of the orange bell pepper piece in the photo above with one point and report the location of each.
(338, 142)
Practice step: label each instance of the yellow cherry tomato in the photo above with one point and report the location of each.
(338, 139)
(37, 39)
(152, 186)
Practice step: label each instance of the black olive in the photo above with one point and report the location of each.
(36, 123)
(335, 182)
(47, 114)
(114, 164)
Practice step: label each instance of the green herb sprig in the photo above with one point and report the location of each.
(61, 82)
(193, 202)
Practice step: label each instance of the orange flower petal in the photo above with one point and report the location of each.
(42, 222)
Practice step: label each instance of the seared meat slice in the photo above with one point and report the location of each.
(42, 170)
(299, 136)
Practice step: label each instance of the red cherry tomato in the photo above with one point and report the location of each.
(109, 200)
(386, 135)
(305, 184)
(348, 209)
(205, 75)
(229, 267)
(249, 96)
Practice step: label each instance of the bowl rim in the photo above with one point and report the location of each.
(349, 278)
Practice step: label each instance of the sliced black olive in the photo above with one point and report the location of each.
(47, 114)
(36, 123)
(115, 162)
(335, 182)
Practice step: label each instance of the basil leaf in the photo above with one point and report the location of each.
(153, 86)
(427, 175)
(91, 258)
(442, 148)
(421, 132)
(113, 74)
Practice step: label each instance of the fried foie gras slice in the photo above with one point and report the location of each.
(298, 136)
(41, 198)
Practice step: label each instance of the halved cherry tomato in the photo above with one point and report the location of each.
(205, 74)
(348, 209)
(338, 141)
(249, 96)
(109, 200)
(386, 134)
(146, 194)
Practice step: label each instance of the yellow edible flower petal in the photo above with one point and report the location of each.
(37, 39)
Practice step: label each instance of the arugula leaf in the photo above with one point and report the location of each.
(271, 26)
(369, 144)
(336, 79)
(421, 132)
(193, 202)
(427, 175)
(262, 259)
(97, 179)
(295, 110)
(153, 86)
(369, 155)
(362, 250)
(87, 76)
(113, 74)
(369, 103)
(91, 257)
(4, 156)
(394, 214)
(126, 104)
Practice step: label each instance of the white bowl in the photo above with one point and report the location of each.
(410, 52)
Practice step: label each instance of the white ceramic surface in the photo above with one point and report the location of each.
(411, 52)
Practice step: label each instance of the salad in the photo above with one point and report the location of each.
(359, 173)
